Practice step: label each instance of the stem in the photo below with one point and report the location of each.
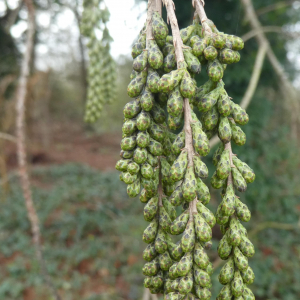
(159, 6)
(21, 148)
(187, 109)
(199, 7)
(149, 34)
(177, 41)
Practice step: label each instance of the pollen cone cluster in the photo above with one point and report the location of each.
(163, 142)
(102, 77)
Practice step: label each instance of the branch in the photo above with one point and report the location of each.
(273, 225)
(274, 6)
(259, 61)
(252, 33)
(8, 137)
(289, 92)
(277, 29)
(158, 7)
(149, 34)
(21, 148)
(199, 7)
(177, 41)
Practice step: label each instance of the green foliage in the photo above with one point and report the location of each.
(80, 227)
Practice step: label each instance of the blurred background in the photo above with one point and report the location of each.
(91, 230)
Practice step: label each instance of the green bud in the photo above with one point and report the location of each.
(217, 154)
(176, 198)
(184, 266)
(200, 257)
(150, 209)
(225, 293)
(165, 261)
(248, 276)
(155, 57)
(224, 248)
(206, 214)
(155, 148)
(208, 100)
(216, 182)
(140, 61)
(175, 103)
(241, 261)
(137, 84)
(215, 70)
(140, 155)
(210, 53)
(238, 180)
(179, 167)
(147, 100)
(193, 63)
(227, 272)
(239, 115)
(132, 108)
(150, 232)
(200, 167)
(187, 86)
(223, 166)
(189, 185)
(202, 191)
(160, 244)
(188, 237)
(224, 104)
(159, 27)
(224, 131)
(134, 188)
(201, 277)
(203, 230)
(211, 118)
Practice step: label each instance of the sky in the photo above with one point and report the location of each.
(126, 20)
(59, 40)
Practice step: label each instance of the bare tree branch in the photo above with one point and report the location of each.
(21, 148)
(274, 6)
(159, 6)
(8, 137)
(288, 89)
(252, 33)
(12, 16)
(199, 7)
(277, 29)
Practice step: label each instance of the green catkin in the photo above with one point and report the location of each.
(156, 163)
(102, 76)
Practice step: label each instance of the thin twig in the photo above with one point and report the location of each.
(159, 6)
(274, 6)
(149, 34)
(177, 41)
(254, 77)
(21, 148)
(275, 29)
(199, 7)
(288, 89)
(252, 33)
(273, 225)
(187, 109)
(8, 137)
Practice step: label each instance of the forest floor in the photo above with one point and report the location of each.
(67, 143)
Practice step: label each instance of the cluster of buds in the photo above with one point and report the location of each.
(166, 169)
(102, 68)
